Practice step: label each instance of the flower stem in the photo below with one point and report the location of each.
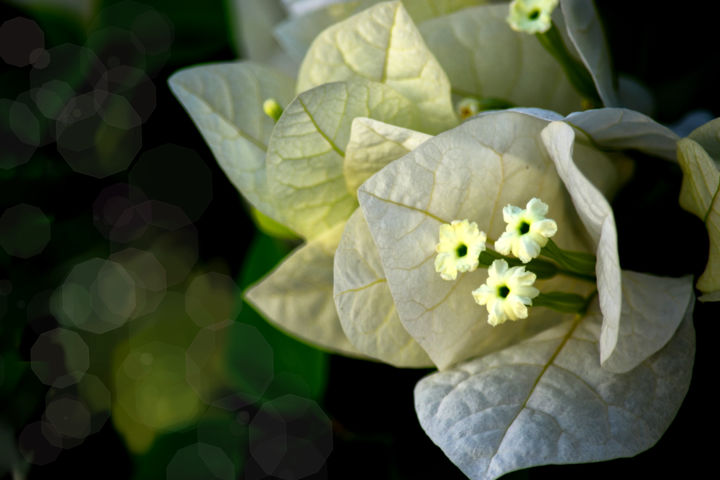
(564, 302)
(544, 269)
(574, 264)
(576, 72)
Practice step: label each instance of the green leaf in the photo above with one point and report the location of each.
(373, 145)
(484, 58)
(305, 155)
(297, 296)
(472, 172)
(225, 102)
(364, 303)
(382, 44)
(547, 400)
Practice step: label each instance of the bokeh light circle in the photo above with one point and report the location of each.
(148, 276)
(59, 357)
(50, 97)
(38, 443)
(98, 133)
(135, 85)
(97, 295)
(211, 298)
(116, 46)
(191, 185)
(19, 38)
(24, 231)
(69, 416)
(290, 437)
(98, 399)
(151, 387)
(75, 65)
(15, 149)
(115, 215)
(200, 460)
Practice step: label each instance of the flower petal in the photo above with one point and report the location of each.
(596, 214)
(303, 283)
(232, 122)
(548, 400)
(484, 58)
(652, 309)
(348, 50)
(586, 33)
(306, 150)
(492, 157)
(699, 195)
(365, 307)
(374, 144)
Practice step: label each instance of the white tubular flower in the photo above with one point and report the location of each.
(459, 247)
(531, 16)
(527, 230)
(506, 293)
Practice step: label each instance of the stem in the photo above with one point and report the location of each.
(564, 302)
(569, 262)
(490, 103)
(576, 72)
(543, 269)
(579, 276)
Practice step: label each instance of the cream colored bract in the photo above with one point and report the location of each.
(472, 171)
(355, 129)
(699, 156)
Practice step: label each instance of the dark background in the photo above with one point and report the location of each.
(375, 433)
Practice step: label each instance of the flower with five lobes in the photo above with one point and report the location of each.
(507, 292)
(461, 243)
(527, 230)
(531, 16)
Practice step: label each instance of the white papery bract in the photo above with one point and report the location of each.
(527, 230)
(461, 243)
(507, 292)
(531, 16)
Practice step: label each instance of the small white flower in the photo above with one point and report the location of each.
(506, 293)
(468, 107)
(459, 248)
(527, 230)
(531, 16)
